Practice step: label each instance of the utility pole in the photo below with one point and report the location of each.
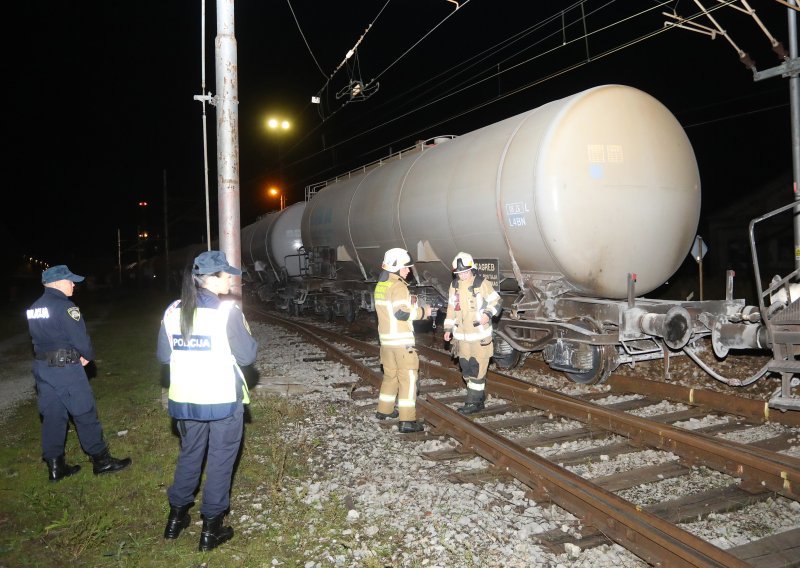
(790, 68)
(166, 238)
(227, 139)
(119, 255)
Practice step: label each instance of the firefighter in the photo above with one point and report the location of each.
(396, 312)
(471, 304)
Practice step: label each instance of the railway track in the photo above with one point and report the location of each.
(518, 429)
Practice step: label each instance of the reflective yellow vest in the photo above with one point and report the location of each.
(204, 375)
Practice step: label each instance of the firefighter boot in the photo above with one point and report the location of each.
(406, 427)
(382, 416)
(105, 463)
(178, 520)
(59, 469)
(474, 402)
(214, 533)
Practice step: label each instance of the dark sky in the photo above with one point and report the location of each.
(100, 99)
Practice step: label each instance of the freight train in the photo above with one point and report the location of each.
(574, 210)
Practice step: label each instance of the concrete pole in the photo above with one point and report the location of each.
(228, 139)
(794, 106)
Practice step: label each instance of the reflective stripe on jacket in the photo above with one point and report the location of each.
(395, 312)
(204, 376)
(466, 303)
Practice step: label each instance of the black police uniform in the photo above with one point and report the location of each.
(59, 340)
(220, 438)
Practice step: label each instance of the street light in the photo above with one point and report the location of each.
(275, 192)
(274, 123)
(280, 126)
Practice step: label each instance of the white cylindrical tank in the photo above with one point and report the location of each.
(272, 243)
(588, 189)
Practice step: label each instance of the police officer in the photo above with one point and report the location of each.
(62, 348)
(396, 312)
(471, 304)
(205, 341)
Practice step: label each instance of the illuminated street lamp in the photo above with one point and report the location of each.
(274, 123)
(275, 192)
(280, 126)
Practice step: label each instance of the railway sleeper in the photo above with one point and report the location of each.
(676, 511)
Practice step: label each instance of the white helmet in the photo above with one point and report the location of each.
(395, 259)
(463, 262)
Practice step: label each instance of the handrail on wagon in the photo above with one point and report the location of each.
(312, 189)
(773, 285)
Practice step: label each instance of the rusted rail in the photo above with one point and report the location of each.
(650, 537)
(644, 534)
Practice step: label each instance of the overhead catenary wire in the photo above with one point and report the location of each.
(537, 26)
(352, 50)
(513, 92)
(479, 58)
(657, 4)
(304, 38)
(371, 85)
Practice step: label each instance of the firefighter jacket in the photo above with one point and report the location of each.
(206, 382)
(466, 302)
(395, 312)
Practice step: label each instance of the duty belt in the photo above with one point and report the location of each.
(59, 357)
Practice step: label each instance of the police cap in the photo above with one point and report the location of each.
(59, 272)
(213, 261)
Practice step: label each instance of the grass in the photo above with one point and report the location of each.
(118, 520)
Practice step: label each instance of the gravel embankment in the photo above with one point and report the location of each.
(387, 484)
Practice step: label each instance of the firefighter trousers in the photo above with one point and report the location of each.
(473, 358)
(400, 369)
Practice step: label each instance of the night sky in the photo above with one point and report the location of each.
(100, 100)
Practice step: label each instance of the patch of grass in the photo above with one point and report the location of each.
(118, 519)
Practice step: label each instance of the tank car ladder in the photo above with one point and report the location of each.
(783, 326)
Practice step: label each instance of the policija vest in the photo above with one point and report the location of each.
(204, 375)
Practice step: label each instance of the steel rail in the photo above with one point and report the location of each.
(646, 535)
(651, 538)
(757, 468)
(745, 407)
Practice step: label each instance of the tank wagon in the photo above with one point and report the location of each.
(576, 209)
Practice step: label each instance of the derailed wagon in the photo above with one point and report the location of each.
(580, 206)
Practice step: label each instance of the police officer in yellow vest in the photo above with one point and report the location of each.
(396, 312)
(205, 341)
(472, 303)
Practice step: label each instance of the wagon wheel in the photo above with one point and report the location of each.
(603, 358)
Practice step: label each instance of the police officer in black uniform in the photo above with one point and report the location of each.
(206, 340)
(62, 348)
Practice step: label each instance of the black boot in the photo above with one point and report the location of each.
(59, 468)
(407, 427)
(214, 533)
(472, 407)
(178, 520)
(382, 416)
(474, 402)
(105, 463)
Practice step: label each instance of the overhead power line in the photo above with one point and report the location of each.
(304, 38)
